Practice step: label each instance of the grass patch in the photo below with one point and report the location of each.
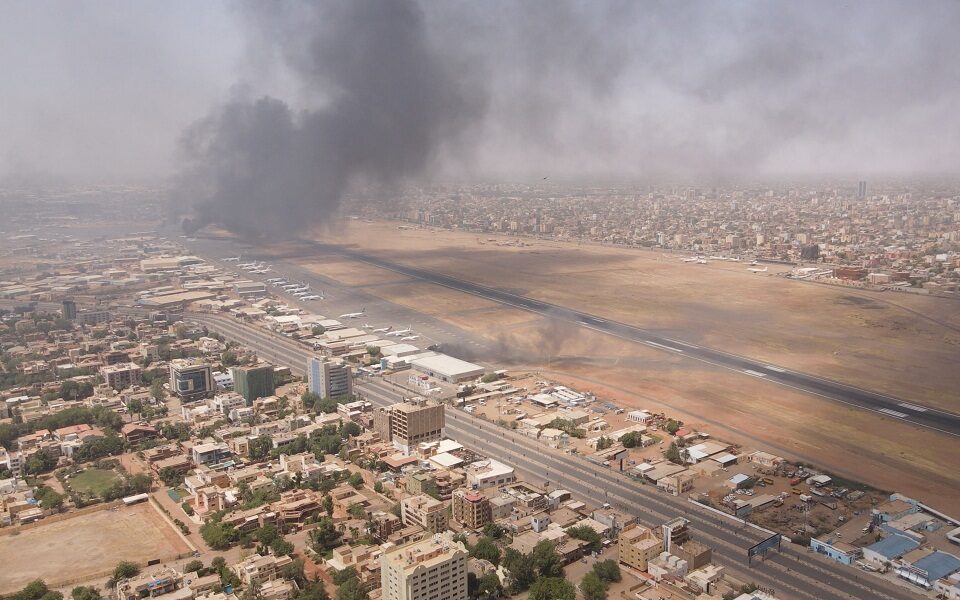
(94, 482)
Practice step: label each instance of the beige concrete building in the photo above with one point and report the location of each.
(434, 568)
(415, 422)
(639, 545)
(121, 376)
(471, 509)
(424, 512)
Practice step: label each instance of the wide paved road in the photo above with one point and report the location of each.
(792, 573)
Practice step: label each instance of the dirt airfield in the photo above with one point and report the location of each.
(899, 344)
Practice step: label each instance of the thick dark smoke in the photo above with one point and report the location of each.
(385, 91)
(390, 101)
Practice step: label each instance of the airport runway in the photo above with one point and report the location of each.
(894, 408)
(791, 573)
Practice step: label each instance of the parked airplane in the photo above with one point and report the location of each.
(275, 280)
(691, 259)
(355, 315)
(383, 329)
(400, 332)
(312, 297)
(232, 259)
(763, 270)
(410, 338)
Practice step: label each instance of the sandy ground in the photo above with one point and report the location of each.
(894, 343)
(81, 547)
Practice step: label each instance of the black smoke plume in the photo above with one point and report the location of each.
(390, 100)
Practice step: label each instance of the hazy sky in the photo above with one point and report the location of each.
(105, 90)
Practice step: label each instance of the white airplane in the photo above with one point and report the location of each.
(702, 261)
(275, 280)
(232, 259)
(410, 338)
(290, 286)
(311, 297)
(754, 263)
(691, 259)
(400, 332)
(300, 294)
(355, 315)
(383, 329)
(366, 326)
(297, 290)
(247, 265)
(763, 270)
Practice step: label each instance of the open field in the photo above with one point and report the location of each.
(93, 481)
(899, 344)
(78, 548)
(893, 343)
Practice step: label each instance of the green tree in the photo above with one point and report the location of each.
(632, 439)
(281, 547)
(604, 442)
(546, 559)
(350, 429)
(35, 590)
(672, 426)
(340, 577)
(486, 549)
(608, 570)
(522, 569)
(125, 570)
(552, 588)
(351, 590)
(217, 535)
(157, 391)
(171, 477)
(50, 499)
(587, 534)
(325, 536)
(327, 503)
(487, 587)
(592, 587)
(378, 486)
(42, 461)
(260, 447)
(673, 454)
(85, 592)
(193, 566)
(356, 480)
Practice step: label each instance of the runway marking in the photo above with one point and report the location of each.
(754, 373)
(913, 407)
(664, 347)
(683, 343)
(773, 368)
(892, 413)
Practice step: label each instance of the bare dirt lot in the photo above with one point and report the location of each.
(894, 343)
(85, 546)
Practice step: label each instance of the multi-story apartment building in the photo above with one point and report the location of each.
(415, 422)
(253, 382)
(434, 568)
(425, 512)
(189, 379)
(638, 545)
(121, 376)
(330, 378)
(470, 509)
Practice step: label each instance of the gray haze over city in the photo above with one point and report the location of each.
(565, 89)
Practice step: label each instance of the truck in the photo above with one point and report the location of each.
(795, 481)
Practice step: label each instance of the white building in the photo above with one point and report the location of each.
(434, 568)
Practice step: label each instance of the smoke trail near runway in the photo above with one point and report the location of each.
(390, 101)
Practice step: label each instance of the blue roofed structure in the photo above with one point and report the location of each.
(927, 570)
(889, 548)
